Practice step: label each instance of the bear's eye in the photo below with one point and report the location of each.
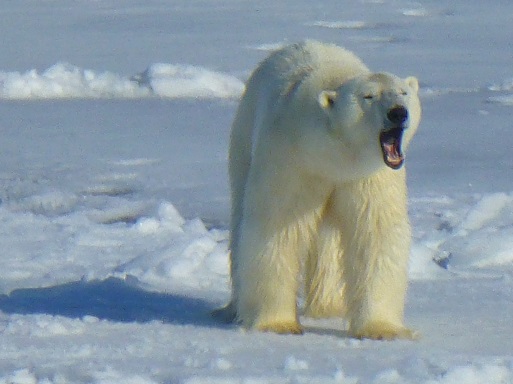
(404, 93)
(368, 97)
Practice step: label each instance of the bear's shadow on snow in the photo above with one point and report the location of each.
(112, 299)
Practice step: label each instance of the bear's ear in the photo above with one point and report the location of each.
(413, 83)
(327, 99)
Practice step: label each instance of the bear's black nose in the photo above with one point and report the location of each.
(397, 115)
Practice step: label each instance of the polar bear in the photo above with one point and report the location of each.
(319, 191)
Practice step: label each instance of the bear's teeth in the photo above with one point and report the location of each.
(391, 147)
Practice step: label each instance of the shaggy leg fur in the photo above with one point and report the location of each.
(323, 272)
(266, 278)
(376, 235)
(272, 241)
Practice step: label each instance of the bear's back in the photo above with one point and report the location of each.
(323, 66)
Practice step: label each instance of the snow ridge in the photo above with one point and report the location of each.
(63, 80)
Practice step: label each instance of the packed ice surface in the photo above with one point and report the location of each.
(114, 206)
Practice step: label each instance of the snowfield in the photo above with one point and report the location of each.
(114, 203)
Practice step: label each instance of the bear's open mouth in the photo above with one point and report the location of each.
(390, 141)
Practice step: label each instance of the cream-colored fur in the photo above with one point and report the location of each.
(310, 187)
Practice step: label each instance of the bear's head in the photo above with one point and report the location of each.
(375, 115)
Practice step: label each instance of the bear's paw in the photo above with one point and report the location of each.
(282, 328)
(384, 331)
(226, 314)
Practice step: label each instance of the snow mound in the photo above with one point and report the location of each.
(161, 251)
(473, 374)
(179, 81)
(473, 236)
(268, 47)
(350, 24)
(415, 12)
(485, 211)
(470, 247)
(64, 81)
(505, 99)
(109, 376)
(505, 87)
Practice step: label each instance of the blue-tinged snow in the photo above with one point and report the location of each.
(115, 119)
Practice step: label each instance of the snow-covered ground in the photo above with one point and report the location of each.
(114, 120)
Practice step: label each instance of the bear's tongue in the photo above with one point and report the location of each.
(391, 146)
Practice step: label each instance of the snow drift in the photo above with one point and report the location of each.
(164, 80)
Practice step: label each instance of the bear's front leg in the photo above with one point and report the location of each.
(274, 236)
(266, 278)
(376, 236)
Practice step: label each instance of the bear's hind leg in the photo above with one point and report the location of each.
(226, 314)
(323, 271)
